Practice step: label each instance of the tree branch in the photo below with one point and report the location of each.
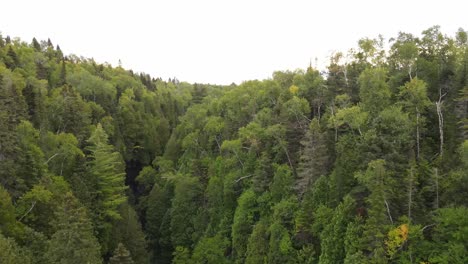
(243, 177)
(388, 211)
(30, 209)
(53, 156)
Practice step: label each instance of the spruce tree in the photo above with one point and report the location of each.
(314, 159)
(74, 241)
(107, 166)
(121, 256)
(36, 44)
(11, 60)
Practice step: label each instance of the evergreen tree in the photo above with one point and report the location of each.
(11, 61)
(107, 166)
(11, 253)
(184, 209)
(7, 213)
(257, 247)
(121, 256)
(314, 158)
(128, 229)
(244, 218)
(332, 246)
(36, 45)
(73, 242)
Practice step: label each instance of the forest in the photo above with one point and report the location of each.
(364, 162)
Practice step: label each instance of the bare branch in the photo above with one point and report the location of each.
(243, 177)
(388, 211)
(30, 209)
(53, 156)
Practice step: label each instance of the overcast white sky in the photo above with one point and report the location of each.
(217, 41)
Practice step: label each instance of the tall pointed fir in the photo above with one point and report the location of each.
(314, 158)
(121, 256)
(107, 167)
(74, 241)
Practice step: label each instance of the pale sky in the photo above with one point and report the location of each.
(217, 41)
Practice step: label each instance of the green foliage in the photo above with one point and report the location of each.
(314, 159)
(332, 246)
(73, 241)
(183, 210)
(107, 167)
(450, 236)
(244, 218)
(128, 230)
(352, 166)
(181, 256)
(11, 253)
(121, 256)
(210, 250)
(257, 247)
(374, 91)
(7, 213)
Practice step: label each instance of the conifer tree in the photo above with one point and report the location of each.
(12, 60)
(73, 242)
(314, 158)
(107, 166)
(36, 44)
(121, 256)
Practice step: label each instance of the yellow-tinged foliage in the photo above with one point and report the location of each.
(396, 238)
(293, 89)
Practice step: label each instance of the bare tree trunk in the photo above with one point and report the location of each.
(441, 121)
(345, 72)
(410, 194)
(388, 211)
(417, 133)
(437, 187)
(441, 126)
(334, 125)
(27, 212)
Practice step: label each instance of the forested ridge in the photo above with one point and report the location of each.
(366, 162)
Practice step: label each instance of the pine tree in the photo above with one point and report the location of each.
(107, 168)
(158, 206)
(129, 229)
(121, 256)
(36, 44)
(184, 209)
(11, 253)
(333, 248)
(243, 223)
(314, 158)
(376, 179)
(12, 60)
(12, 110)
(63, 73)
(7, 213)
(73, 242)
(257, 247)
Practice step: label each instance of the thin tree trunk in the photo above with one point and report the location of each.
(441, 121)
(30, 209)
(417, 133)
(410, 194)
(441, 126)
(334, 125)
(437, 187)
(388, 211)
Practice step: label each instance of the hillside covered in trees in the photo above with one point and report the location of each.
(366, 162)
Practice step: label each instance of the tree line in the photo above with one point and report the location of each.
(365, 162)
